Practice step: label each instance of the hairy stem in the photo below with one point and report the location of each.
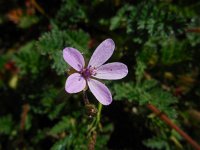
(85, 98)
(99, 113)
(92, 132)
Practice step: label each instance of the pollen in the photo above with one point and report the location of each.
(88, 72)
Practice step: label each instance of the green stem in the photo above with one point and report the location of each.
(96, 121)
(99, 113)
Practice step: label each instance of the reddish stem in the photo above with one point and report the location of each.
(164, 118)
(196, 30)
(25, 110)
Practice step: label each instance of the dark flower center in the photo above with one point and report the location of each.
(88, 72)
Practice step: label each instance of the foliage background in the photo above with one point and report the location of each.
(159, 41)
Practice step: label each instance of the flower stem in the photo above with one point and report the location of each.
(99, 113)
(85, 98)
(164, 118)
(92, 130)
(96, 121)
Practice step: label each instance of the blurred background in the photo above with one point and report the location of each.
(159, 41)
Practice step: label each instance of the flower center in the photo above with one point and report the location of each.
(88, 72)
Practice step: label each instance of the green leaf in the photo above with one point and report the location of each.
(139, 72)
(70, 14)
(60, 145)
(29, 60)
(174, 51)
(27, 21)
(146, 92)
(63, 125)
(6, 124)
(52, 43)
(157, 143)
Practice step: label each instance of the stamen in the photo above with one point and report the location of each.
(88, 72)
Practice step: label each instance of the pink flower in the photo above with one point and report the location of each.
(96, 68)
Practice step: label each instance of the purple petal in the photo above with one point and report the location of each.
(102, 53)
(111, 71)
(75, 83)
(100, 91)
(74, 58)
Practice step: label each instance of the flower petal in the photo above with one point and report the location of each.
(74, 58)
(102, 53)
(111, 71)
(100, 91)
(75, 83)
